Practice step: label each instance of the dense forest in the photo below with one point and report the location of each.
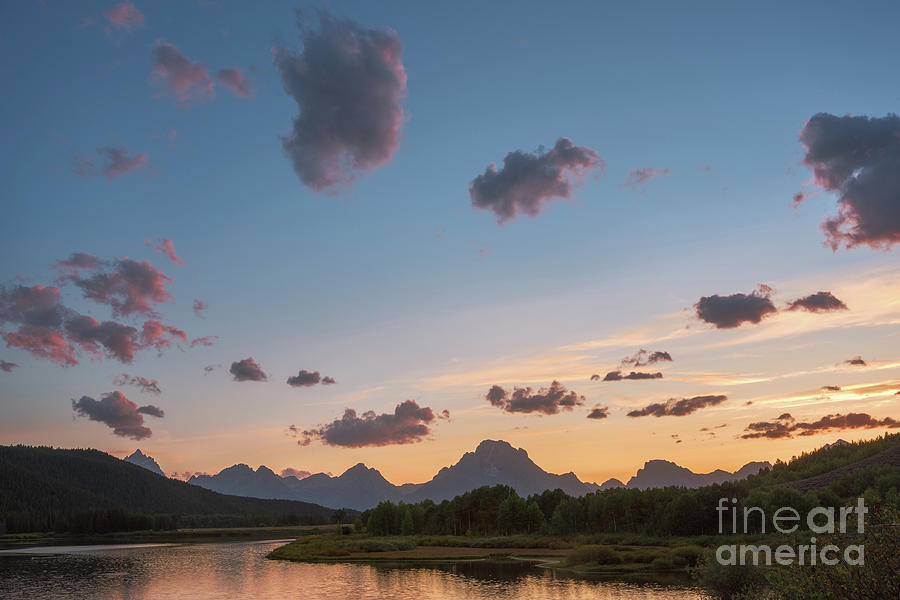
(498, 510)
(88, 491)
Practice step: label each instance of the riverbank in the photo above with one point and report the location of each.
(675, 554)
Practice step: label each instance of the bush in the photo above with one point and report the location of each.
(727, 582)
(585, 555)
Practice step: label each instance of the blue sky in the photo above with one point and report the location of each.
(399, 280)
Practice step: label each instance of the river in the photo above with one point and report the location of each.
(239, 571)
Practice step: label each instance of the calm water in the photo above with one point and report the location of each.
(237, 571)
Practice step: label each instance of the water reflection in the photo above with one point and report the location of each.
(238, 571)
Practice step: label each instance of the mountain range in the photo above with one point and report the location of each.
(492, 463)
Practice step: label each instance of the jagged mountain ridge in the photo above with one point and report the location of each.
(493, 462)
(144, 460)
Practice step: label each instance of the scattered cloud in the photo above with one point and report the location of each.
(247, 370)
(599, 412)
(119, 162)
(818, 302)
(207, 340)
(642, 358)
(166, 248)
(124, 16)
(728, 312)
(785, 426)
(859, 158)
(349, 83)
(298, 473)
(306, 379)
(144, 384)
(528, 180)
(7, 366)
(856, 361)
(678, 408)
(409, 423)
(634, 376)
(119, 413)
(185, 80)
(831, 388)
(638, 177)
(548, 401)
(210, 368)
(199, 307)
(235, 81)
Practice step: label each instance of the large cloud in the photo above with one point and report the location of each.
(35, 319)
(548, 401)
(785, 426)
(859, 158)
(528, 180)
(349, 83)
(142, 383)
(309, 378)
(128, 286)
(247, 370)
(180, 77)
(119, 413)
(408, 423)
(727, 312)
(678, 408)
(818, 302)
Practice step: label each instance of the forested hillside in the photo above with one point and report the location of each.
(88, 491)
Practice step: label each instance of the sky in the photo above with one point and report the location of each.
(308, 236)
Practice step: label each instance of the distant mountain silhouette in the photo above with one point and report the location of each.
(142, 460)
(838, 443)
(663, 473)
(493, 462)
(611, 484)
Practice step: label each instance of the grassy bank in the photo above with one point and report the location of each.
(587, 555)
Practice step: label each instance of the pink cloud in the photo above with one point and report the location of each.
(187, 81)
(127, 285)
(41, 342)
(207, 340)
(235, 82)
(160, 336)
(125, 16)
(166, 248)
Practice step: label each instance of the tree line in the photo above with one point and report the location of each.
(676, 511)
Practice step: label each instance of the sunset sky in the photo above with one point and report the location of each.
(315, 193)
